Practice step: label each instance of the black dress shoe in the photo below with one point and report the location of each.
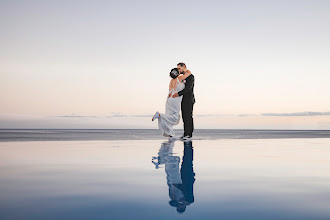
(186, 137)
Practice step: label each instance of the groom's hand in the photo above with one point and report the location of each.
(175, 95)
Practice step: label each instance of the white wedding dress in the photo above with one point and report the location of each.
(172, 111)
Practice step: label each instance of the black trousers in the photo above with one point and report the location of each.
(187, 116)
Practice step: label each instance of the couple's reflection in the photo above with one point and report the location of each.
(180, 181)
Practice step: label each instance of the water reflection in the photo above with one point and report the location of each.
(180, 181)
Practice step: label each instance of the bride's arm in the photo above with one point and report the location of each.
(169, 94)
(182, 77)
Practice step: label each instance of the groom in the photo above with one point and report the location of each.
(187, 103)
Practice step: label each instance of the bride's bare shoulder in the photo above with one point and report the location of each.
(172, 83)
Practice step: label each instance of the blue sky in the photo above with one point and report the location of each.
(266, 60)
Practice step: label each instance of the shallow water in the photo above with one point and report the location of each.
(156, 179)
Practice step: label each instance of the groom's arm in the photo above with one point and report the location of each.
(188, 86)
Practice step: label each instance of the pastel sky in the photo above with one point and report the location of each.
(105, 64)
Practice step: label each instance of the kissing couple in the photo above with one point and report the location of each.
(181, 94)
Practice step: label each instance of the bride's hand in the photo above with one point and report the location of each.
(175, 95)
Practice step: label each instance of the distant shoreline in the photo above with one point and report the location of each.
(247, 129)
(8, 135)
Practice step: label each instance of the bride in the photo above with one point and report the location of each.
(172, 111)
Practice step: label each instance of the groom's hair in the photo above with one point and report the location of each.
(181, 64)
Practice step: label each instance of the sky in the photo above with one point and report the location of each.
(105, 64)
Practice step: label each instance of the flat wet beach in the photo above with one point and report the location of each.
(158, 179)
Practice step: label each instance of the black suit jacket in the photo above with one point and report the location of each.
(188, 91)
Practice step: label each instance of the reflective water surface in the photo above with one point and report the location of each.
(157, 179)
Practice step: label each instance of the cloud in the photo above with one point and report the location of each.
(306, 113)
(297, 114)
(247, 115)
(118, 115)
(75, 116)
(112, 115)
(213, 115)
(141, 121)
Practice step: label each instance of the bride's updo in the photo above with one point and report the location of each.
(174, 73)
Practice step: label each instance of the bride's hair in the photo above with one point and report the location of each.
(174, 73)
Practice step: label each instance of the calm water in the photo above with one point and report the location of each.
(285, 178)
(150, 134)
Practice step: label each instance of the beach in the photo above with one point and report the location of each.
(220, 178)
